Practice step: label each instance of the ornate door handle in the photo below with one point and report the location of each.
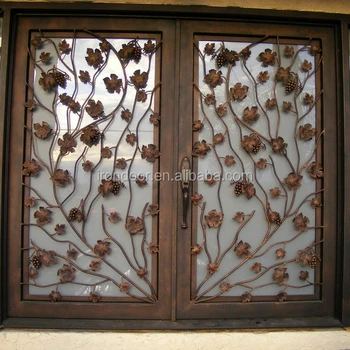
(185, 188)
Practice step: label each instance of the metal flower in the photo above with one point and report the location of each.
(84, 76)
(95, 110)
(196, 198)
(306, 66)
(278, 145)
(214, 78)
(280, 275)
(42, 216)
(94, 297)
(209, 49)
(293, 181)
(66, 274)
(218, 138)
(239, 217)
(31, 168)
(274, 217)
(48, 257)
(200, 149)
(102, 248)
(124, 287)
(300, 222)
(126, 115)
(275, 192)
(114, 217)
(141, 96)
(150, 152)
(197, 125)
(153, 248)
(134, 225)
(230, 160)
(60, 177)
(60, 229)
(304, 275)
(31, 105)
(95, 265)
(314, 49)
(268, 58)
(224, 287)
(88, 166)
(251, 115)
(55, 296)
(106, 187)
(245, 53)
(304, 257)
(261, 163)
(36, 42)
(239, 92)
(306, 132)
(29, 202)
(139, 79)
(196, 249)
(209, 99)
(153, 209)
(42, 131)
(287, 106)
(45, 57)
(32, 273)
(68, 144)
(315, 170)
(47, 81)
(280, 253)
(106, 152)
(221, 110)
(72, 254)
(252, 143)
(149, 47)
(288, 51)
(242, 249)
(141, 181)
(315, 203)
(113, 84)
(154, 119)
(90, 135)
(271, 103)
(283, 74)
(246, 297)
(210, 180)
(282, 296)
(131, 139)
(263, 77)
(256, 267)
(94, 58)
(64, 47)
(308, 99)
(214, 218)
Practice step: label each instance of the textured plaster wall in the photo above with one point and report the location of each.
(258, 340)
(330, 6)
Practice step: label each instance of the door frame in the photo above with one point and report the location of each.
(13, 11)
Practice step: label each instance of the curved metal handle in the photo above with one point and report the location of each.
(185, 188)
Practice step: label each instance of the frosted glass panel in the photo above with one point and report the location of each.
(92, 204)
(258, 188)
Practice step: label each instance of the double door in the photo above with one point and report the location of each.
(171, 170)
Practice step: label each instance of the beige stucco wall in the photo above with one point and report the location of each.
(330, 6)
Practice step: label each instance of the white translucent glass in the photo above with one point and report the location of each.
(255, 230)
(119, 203)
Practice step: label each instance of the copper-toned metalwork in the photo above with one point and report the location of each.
(244, 112)
(93, 108)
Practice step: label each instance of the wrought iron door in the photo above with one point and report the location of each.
(223, 209)
(92, 220)
(258, 108)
